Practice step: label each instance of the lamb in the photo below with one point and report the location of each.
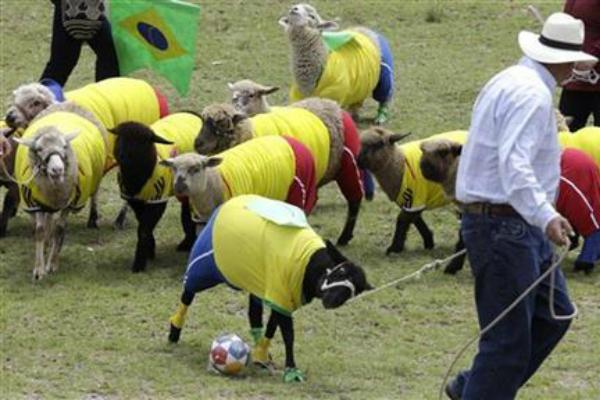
(250, 97)
(275, 167)
(59, 166)
(147, 185)
(320, 124)
(396, 168)
(346, 66)
(111, 101)
(578, 195)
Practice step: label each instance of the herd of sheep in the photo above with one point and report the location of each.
(61, 150)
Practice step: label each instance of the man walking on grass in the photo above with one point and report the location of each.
(507, 183)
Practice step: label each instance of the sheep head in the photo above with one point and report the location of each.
(135, 152)
(222, 128)
(249, 97)
(440, 156)
(189, 172)
(377, 145)
(50, 153)
(305, 16)
(27, 102)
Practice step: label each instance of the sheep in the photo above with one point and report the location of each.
(145, 184)
(346, 66)
(112, 101)
(279, 168)
(396, 168)
(7, 160)
(320, 124)
(59, 165)
(250, 98)
(578, 195)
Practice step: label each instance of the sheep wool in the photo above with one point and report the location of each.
(418, 193)
(586, 139)
(300, 124)
(261, 257)
(351, 72)
(181, 129)
(117, 100)
(89, 148)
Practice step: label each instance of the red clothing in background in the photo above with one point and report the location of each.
(589, 12)
(579, 191)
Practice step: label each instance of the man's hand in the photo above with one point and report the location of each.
(558, 231)
(5, 147)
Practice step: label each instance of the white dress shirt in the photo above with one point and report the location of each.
(512, 153)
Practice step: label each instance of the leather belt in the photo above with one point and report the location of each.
(502, 210)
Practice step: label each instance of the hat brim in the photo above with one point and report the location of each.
(533, 48)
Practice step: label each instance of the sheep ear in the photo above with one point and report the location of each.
(284, 21)
(396, 137)
(167, 163)
(158, 139)
(24, 142)
(269, 90)
(456, 149)
(328, 26)
(114, 131)
(334, 253)
(238, 117)
(213, 162)
(71, 136)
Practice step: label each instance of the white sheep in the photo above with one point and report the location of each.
(347, 66)
(397, 169)
(250, 97)
(275, 167)
(59, 165)
(320, 124)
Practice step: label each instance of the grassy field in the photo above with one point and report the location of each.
(96, 331)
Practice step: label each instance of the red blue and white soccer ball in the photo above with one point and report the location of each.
(229, 354)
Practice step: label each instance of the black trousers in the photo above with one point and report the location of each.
(65, 51)
(579, 104)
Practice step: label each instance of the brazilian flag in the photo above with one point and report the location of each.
(156, 34)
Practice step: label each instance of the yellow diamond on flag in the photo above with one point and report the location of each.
(154, 34)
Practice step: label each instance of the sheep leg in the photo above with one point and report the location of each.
(9, 209)
(405, 218)
(41, 225)
(147, 216)
(456, 264)
(92, 221)
(424, 231)
(57, 238)
(351, 217)
(120, 221)
(188, 227)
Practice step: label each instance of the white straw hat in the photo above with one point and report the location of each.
(561, 41)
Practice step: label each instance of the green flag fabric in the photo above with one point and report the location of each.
(156, 34)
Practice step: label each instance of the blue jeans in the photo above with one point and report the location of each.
(507, 255)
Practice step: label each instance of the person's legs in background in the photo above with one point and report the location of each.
(64, 51)
(107, 64)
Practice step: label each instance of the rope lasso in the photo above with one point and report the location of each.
(558, 259)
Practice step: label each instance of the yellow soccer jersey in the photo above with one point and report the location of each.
(181, 129)
(418, 193)
(89, 148)
(586, 139)
(300, 124)
(350, 75)
(117, 100)
(261, 257)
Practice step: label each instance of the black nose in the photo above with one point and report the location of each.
(10, 118)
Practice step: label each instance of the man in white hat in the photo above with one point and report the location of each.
(507, 183)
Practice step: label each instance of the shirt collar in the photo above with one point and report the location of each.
(542, 72)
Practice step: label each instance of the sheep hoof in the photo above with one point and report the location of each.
(428, 244)
(394, 249)
(138, 267)
(344, 240)
(92, 224)
(120, 222)
(454, 266)
(587, 268)
(174, 334)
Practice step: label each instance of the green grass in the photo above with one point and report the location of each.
(94, 330)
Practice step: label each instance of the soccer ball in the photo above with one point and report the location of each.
(229, 354)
